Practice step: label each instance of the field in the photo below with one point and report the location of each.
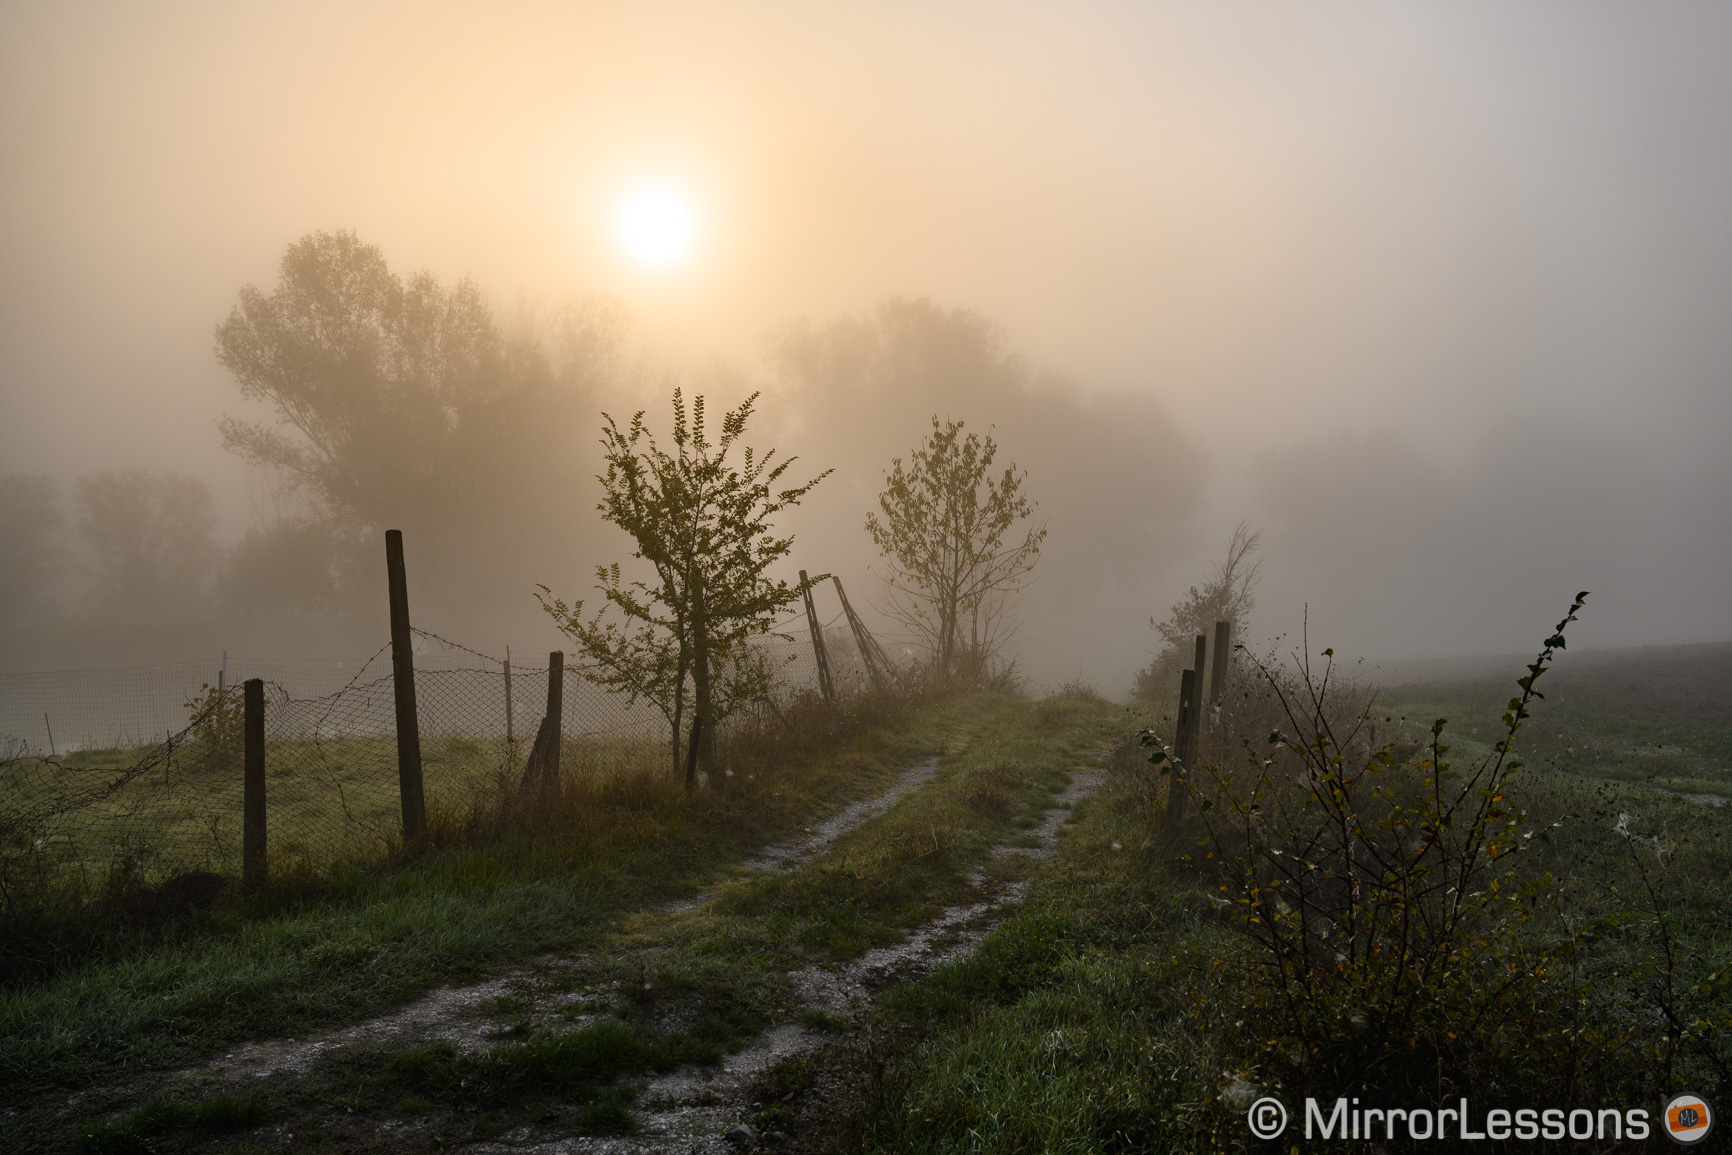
(1659, 717)
(959, 928)
(327, 800)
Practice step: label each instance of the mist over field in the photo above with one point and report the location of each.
(1435, 297)
(429, 432)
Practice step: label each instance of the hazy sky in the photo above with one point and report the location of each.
(1444, 290)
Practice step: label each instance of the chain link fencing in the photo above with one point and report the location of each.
(139, 772)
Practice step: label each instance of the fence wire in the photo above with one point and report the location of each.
(140, 771)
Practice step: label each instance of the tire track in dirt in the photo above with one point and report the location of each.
(693, 1111)
(455, 1014)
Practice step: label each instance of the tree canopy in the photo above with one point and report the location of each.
(704, 525)
(406, 402)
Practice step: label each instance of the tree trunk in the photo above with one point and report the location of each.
(679, 705)
(701, 677)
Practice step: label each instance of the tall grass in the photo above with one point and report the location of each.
(502, 876)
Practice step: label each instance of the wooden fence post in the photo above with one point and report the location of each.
(822, 655)
(555, 711)
(1223, 658)
(403, 682)
(542, 769)
(1200, 667)
(253, 803)
(1176, 784)
(510, 715)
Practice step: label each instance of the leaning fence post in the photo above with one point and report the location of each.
(253, 801)
(870, 651)
(818, 650)
(403, 682)
(555, 711)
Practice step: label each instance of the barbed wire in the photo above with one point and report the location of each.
(366, 664)
(455, 645)
(167, 805)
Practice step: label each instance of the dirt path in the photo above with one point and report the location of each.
(458, 1014)
(693, 1111)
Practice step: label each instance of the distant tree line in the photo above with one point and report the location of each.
(136, 544)
(387, 400)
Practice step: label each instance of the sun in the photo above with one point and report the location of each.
(656, 226)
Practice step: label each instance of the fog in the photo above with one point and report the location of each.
(1436, 296)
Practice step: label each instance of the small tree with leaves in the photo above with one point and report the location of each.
(704, 525)
(950, 531)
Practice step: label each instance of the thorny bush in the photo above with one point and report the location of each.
(1390, 929)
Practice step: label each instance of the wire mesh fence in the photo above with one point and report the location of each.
(140, 771)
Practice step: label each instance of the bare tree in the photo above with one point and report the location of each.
(948, 529)
(1226, 597)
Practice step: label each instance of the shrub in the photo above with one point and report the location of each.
(1387, 919)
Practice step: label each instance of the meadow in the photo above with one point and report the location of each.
(1127, 1000)
(1135, 1004)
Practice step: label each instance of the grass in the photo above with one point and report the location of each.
(328, 801)
(354, 944)
(1116, 1011)
(645, 992)
(1588, 743)
(574, 1065)
(135, 1132)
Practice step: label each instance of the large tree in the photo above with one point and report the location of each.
(404, 402)
(703, 524)
(958, 546)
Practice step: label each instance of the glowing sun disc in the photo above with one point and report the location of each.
(656, 227)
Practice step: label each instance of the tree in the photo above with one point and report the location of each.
(704, 527)
(30, 551)
(404, 402)
(865, 386)
(954, 561)
(296, 565)
(151, 539)
(1224, 597)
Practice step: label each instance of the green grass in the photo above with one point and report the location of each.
(671, 989)
(364, 942)
(1110, 1013)
(1590, 742)
(328, 801)
(135, 1132)
(1056, 1035)
(575, 1065)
